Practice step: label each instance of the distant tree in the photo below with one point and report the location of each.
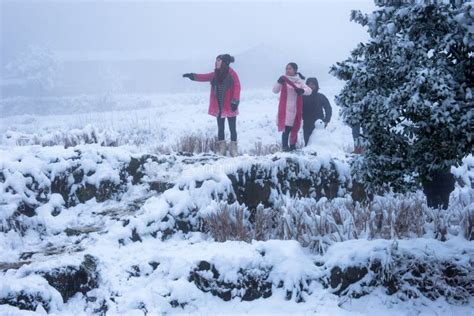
(37, 66)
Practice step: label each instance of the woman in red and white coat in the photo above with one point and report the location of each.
(224, 100)
(290, 109)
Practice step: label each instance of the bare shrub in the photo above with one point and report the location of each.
(409, 219)
(13, 223)
(457, 219)
(67, 138)
(195, 143)
(261, 149)
(468, 223)
(160, 149)
(318, 224)
(264, 223)
(229, 222)
(361, 215)
(461, 212)
(331, 221)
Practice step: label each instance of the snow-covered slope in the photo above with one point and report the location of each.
(123, 221)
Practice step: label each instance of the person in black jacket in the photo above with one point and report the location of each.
(315, 107)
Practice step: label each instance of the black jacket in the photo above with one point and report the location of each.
(313, 106)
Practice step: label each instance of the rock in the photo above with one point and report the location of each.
(159, 186)
(342, 279)
(134, 169)
(407, 275)
(12, 265)
(176, 303)
(76, 231)
(251, 285)
(134, 272)
(253, 186)
(26, 209)
(60, 185)
(70, 280)
(85, 192)
(251, 191)
(104, 192)
(26, 301)
(96, 306)
(154, 264)
(27, 255)
(135, 236)
(52, 249)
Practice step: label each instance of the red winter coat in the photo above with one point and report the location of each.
(288, 95)
(232, 93)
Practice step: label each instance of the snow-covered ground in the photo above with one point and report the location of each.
(140, 272)
(156, 123)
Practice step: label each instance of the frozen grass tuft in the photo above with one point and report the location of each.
(318, 224)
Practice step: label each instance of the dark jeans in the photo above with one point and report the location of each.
(284, 138)
(232, 127)
(355, 131)
(358, 135)
(308, 127)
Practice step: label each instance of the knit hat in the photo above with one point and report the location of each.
(313, 81)
(226, 59)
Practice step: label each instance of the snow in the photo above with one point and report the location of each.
(158, 126)
(33, 145)
(330, 142)
(355, 252)
(291, 264)
(32, 285)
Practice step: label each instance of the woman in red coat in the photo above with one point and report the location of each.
(224, 99)
(291, 88)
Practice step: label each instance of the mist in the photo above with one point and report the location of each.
(92, 47)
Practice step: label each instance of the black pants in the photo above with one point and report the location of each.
(358, 133)
(284, 138)
(308, 128)
(232, 127)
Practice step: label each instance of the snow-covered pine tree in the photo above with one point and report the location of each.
(411, 88)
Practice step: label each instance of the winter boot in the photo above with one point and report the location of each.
(292, 147)
(233, 150)
(221, 147)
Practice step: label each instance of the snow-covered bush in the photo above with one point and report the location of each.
(411, 89)
(67, 138)
(319, 224)
(229, 222)
(423, 269)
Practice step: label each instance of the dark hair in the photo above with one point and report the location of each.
(221, 73)
(295, 67)
(226, 59)
(314, 81)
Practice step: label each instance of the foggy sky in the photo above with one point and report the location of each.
(180, 29)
